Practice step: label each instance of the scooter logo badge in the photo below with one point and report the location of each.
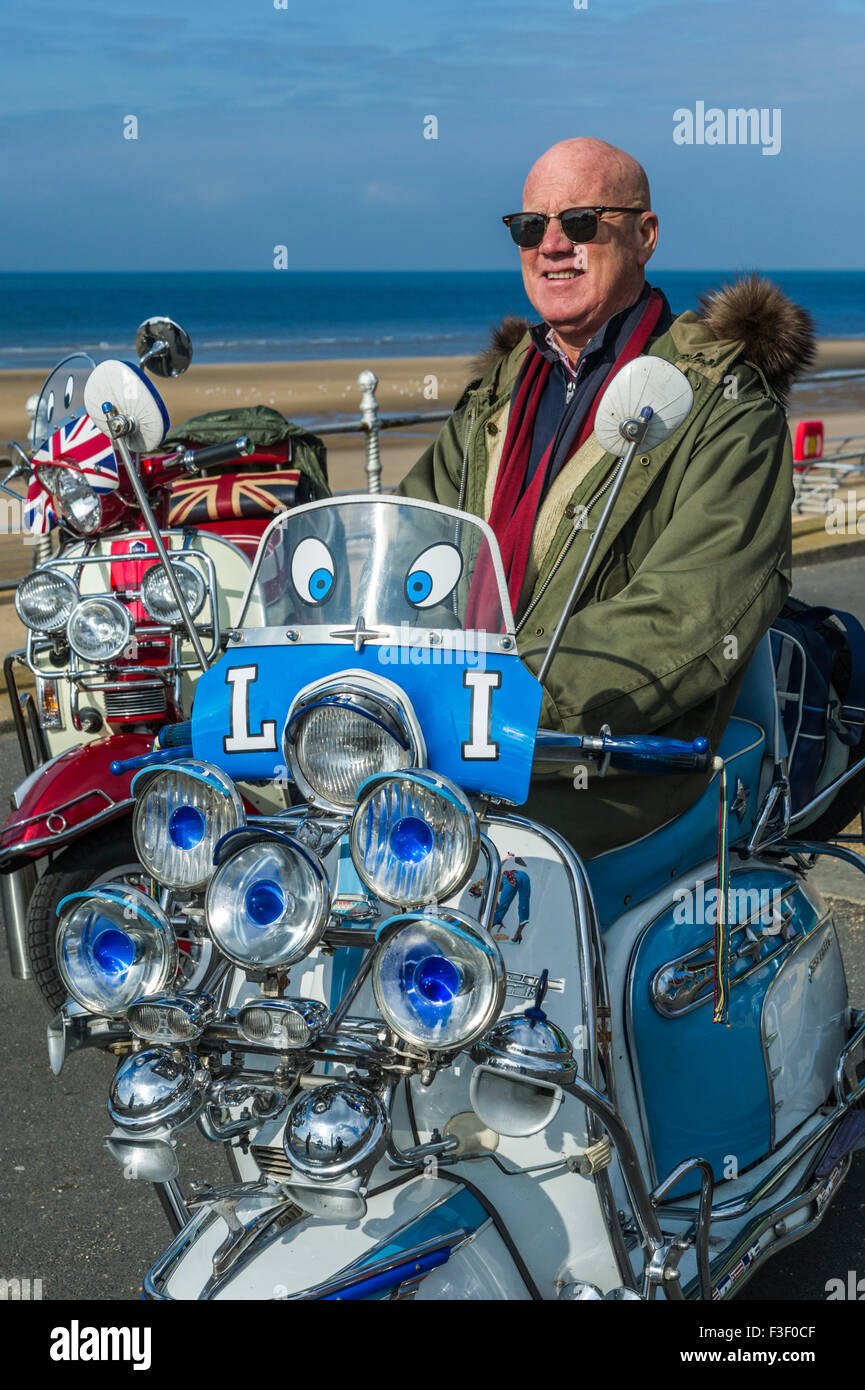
(819, 958)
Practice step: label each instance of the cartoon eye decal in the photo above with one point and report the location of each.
(312, 570)
(49, 406)
(69, 391)
(433, 575)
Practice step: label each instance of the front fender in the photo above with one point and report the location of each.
(426, 1228)
(69, 796)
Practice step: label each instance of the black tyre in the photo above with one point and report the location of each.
(106, 856)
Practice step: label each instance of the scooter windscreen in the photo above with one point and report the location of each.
(62, 396)
(391, 560)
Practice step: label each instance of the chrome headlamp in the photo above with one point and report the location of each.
(345, 729)
(334, 1130)
(158, 599)
(414, 838)
(523, 1062)
(45, 600)
(172, 1019)
(282, 1023)
(114, 945)
(157, 1089)
(181, 811)
(439, 980)
(99, 629)
(268, 902)
(78, 502)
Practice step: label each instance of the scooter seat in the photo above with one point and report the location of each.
(631, 873)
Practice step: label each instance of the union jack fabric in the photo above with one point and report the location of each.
(199, 500)
(82, 445)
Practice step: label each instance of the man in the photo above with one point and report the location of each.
(695, 563)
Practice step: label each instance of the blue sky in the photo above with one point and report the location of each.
(303, 126)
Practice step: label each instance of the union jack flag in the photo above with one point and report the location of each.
(196, 501)
(81, 445)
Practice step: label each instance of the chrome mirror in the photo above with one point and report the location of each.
(131, 394)
(647, 381)
(163, 347)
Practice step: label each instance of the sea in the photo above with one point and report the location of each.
(291, 316)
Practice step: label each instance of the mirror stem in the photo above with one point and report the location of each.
(117, 427)
(634, 431)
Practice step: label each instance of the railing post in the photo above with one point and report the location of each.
(368, 381)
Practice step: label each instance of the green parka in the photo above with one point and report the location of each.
(694, 565)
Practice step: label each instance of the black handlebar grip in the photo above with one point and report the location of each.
(213, 454)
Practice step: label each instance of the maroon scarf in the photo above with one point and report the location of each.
(512, 517)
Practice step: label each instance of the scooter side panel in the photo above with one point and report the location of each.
(692, 1070)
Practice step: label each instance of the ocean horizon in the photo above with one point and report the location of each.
(253, 316)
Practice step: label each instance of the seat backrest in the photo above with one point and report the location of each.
(758, 699)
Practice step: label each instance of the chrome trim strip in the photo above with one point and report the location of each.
(358, 1274)
(442, 654)
(62, 837)
(772, 1218)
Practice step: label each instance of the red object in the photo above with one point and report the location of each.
(70, 790)
(808, 442)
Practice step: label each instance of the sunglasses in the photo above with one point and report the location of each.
(528, 229)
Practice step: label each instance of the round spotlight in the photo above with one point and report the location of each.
(439, 981)
(99, 629)
(414, 837)
(114, 945)
(45, 599)
(268, 901)
(159, 600)
(181, 811)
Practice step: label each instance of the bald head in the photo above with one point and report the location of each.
(577, 288)
(595, 166)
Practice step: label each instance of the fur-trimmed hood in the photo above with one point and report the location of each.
(777, 336)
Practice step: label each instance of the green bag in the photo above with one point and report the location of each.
(264, 426)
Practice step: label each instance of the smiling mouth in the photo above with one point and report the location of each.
(562, 274)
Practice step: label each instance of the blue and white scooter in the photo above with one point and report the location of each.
(427, 1088)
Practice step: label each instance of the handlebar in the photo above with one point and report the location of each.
(120, 766)
(630, 752)
(213, 454)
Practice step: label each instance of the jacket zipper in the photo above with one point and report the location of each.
(465, 472)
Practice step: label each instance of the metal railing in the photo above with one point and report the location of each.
(817, 481)
(372, 422)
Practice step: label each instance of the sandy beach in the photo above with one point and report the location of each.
(407, 384)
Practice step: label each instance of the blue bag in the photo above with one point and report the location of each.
(819, 656)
